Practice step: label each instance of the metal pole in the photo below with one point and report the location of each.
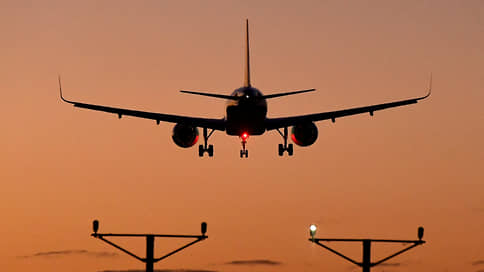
(366, 255)
(150, 248)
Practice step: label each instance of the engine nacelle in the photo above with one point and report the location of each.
(184, 135)
(304, 134)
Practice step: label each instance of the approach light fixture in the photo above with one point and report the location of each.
(366, 263)
(312, 230)
(204, 228)
(95, 226)
(420, 233)
(150, 258)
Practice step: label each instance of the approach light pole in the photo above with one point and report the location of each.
(366, 263)
(150, 260)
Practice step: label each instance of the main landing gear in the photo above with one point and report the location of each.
(286, 147)
(204, 148)
(244, 151)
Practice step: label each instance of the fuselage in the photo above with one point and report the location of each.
(247, 114)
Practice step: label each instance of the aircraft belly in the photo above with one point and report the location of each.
(240, 120)
(236, 129)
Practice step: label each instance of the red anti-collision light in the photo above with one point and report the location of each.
(245, 135)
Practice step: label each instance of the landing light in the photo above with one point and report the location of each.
(312, 230)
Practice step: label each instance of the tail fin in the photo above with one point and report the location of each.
(247, 60)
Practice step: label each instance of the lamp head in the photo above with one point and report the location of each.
(204, 228)
(95, 226)
(312, 230)
(420, 233)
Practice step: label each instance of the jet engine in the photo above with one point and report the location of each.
(185, 135)
(304, 134)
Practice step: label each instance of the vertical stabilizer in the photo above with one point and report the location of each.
(247, 60)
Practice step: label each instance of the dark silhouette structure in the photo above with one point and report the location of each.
(366, 263)
(149, 260)
(246, 115)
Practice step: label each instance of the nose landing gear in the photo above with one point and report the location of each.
(206, 148)
(244, 151)
(285, 147)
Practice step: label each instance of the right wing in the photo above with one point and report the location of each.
(216, 124)
(275, 123)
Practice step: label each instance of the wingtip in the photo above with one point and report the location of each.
(60, 90)
(430, 86)
(60, 86)
(429, 92)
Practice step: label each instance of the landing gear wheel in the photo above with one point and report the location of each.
(206, 148)
(244, 153)
(290, 149)
(210, 150)
(285, 147)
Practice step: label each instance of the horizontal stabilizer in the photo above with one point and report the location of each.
(231, 97)
(212, 95)
(288, 93)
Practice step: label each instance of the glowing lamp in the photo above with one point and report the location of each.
(312, 230)
(245, 135)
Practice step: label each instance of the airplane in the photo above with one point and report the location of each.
(246, 115)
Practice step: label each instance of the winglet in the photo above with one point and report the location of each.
(60, 90)
(430, 89)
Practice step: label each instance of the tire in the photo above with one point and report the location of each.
(281, 149)
(210, 150)
(200, 150)
(290, 149)
(246, 153)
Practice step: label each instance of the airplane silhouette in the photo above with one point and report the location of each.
(246, 115)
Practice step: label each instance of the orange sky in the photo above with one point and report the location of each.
(379, 177)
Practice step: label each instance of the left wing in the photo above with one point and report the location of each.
(216, 124)
(275, 123)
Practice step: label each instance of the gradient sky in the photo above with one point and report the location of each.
(378, 177)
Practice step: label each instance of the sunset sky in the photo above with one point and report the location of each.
(365, 177)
